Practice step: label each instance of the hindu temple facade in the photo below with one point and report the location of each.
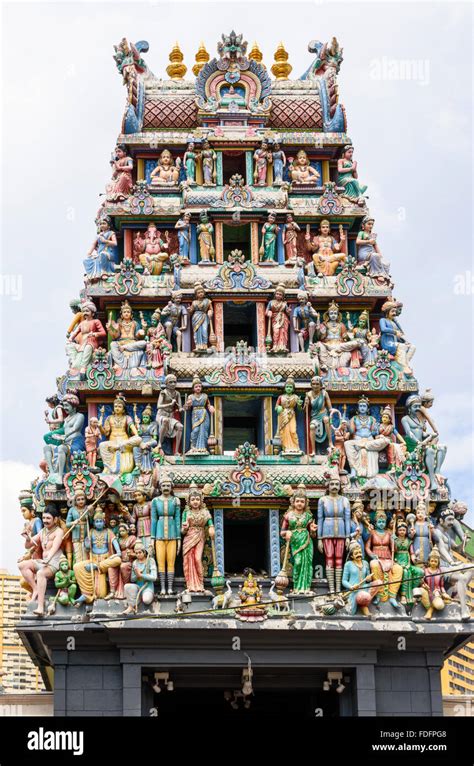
(242, 499)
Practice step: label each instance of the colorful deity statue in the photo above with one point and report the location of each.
(91, 439)
(77, 520)
(334, 531)
(166, 172)
(298, 529)
(87, 336)
(366, 354)
(143, 576)
(360, 525)
(341, 435)
(120, 576)
(392, 338)
(201, 312)
(365, 443)
(396, 449)
(65, 582)
(55, 419)
(201, 413)
(147, 430)
(420, 533)
(141, 517)
(174, 317)
(270, 231)
(120, 437)
(122, 167)
(57, 457)
(189, 161)
(205, 232)
(37, 570)
(418, 436)
(208, 163)
(290, 239)
(158, 347)
(334, 348)
(369, 256)
(318, 405)
(166, 533)
(286, 408)
(32, 526)
(183, 227)
(103, 554)
(168, 407)
(305, 318)
(263, 158)
(279, 163)
(128, 340)
(380, 550)
(301, 170)
(359, 581)
(278, 315)
(348, 177)
(196, 522)
(433, 593)
(412, 575)
(155, 256)
(103, 254)
(327, 252)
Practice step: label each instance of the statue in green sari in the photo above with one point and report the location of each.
(412, 575)
(269, 238)
(348, 178)
(298, 529)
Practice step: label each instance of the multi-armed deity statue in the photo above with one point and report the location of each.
(236, 362)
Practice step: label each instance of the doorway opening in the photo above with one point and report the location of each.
(237, 238)
(240, 323)
(246, 541)
(242, 422)
(234, 162)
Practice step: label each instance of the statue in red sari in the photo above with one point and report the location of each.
(278, 315)
(121, 184)
(196, 521)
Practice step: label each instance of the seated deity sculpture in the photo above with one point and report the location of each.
(392, 337)
(87, 336)
(128, 345)
(154, 256)
(57, 457)
(166, 172)
(327, 253)
(301, 171)
(365, 442)
(334, 347)
(120, 437)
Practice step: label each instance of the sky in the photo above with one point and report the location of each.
(405, 83)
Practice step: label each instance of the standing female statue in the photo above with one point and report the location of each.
(278, 315)
(269, 238)
(208, 159)
(201, 411)
(195, 522)
(286, 406)
(205, 230)
(201, 313)
(121, 184)
(298, 529)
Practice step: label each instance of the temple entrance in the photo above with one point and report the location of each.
(246, 541)
(242, 423)
(234, 162)
(240, 323)
(237, 238)
(277, 693)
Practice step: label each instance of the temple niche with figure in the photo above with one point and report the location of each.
(238, 431)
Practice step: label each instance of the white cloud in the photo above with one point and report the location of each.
(14, 476)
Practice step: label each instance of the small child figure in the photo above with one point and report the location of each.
(92, 436)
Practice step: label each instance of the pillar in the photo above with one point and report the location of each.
(274, 541)
(219, 537)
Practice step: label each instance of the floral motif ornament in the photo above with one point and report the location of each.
(242, 368)
(141, 201)
(329, 202)
(413, 482)
(127, 281)
(247, 478)
(100, 374)
(237, 274)
(79, 477)
(232, 60)
(383, 376)
(350, 281)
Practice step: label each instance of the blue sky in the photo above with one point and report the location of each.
(405, 83)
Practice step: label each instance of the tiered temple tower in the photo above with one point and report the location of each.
(239, 380)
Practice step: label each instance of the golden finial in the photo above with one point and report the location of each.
(281, 69)
(176, 70)
(202, 57)
(256, 54)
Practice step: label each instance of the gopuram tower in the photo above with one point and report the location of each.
(239, 446)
